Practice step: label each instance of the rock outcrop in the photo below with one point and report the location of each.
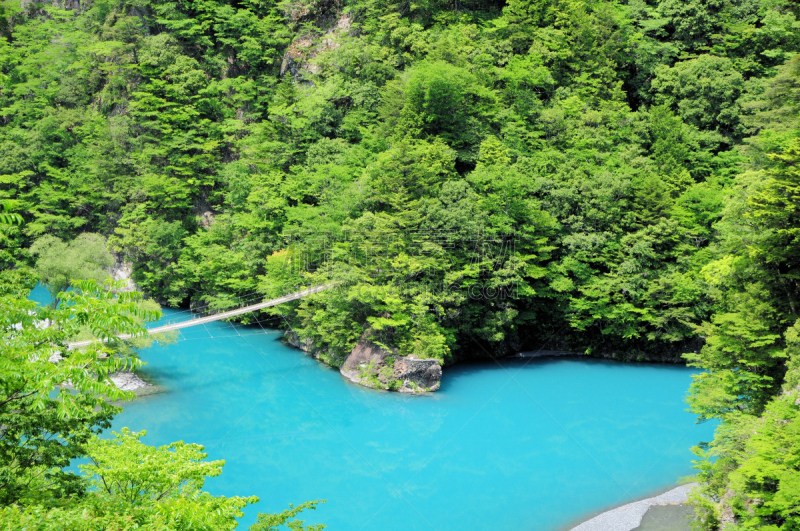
(123, 270)
(727, 516)
(372, 365)
(424, 373)
(307, 345)
(128, 381)
(365, 353)
(331, 25)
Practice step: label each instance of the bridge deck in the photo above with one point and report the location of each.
(219, 316)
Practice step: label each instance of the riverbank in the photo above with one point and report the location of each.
(629, 517)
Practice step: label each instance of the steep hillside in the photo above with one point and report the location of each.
(478, 177)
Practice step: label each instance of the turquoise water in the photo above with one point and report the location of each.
(518, 445)
(41, 295)
(515, 445)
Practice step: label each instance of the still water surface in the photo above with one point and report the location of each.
(522, 446)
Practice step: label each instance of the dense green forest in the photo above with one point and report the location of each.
(478, 177)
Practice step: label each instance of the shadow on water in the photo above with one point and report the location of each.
(510, 366)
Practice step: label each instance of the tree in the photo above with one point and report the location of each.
(775, 207)
(692, 22)
(161, 484)
(439, 99)
(703, 91)
(270, 522)
(59, 264)
(742, 359)
(50, 409)
(751, 472)
(136, 486)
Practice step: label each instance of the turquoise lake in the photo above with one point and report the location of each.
(515, 446)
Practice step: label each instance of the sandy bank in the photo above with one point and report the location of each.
(628, 517)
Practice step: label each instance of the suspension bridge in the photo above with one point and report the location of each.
(219, 316)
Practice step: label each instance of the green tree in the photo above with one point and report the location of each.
(163, 484)
(742, 359)
(135, 486)
(60, 264)
(47, 422)
(775, 207)
(693, 23)
(439, 99)
(703, 91)
(751, 471)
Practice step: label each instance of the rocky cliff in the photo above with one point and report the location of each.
(371, 365)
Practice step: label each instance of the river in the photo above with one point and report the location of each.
(536, 444)
(523, 445)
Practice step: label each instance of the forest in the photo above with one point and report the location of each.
(479, 177)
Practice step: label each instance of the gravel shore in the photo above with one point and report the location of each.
(628, 517)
